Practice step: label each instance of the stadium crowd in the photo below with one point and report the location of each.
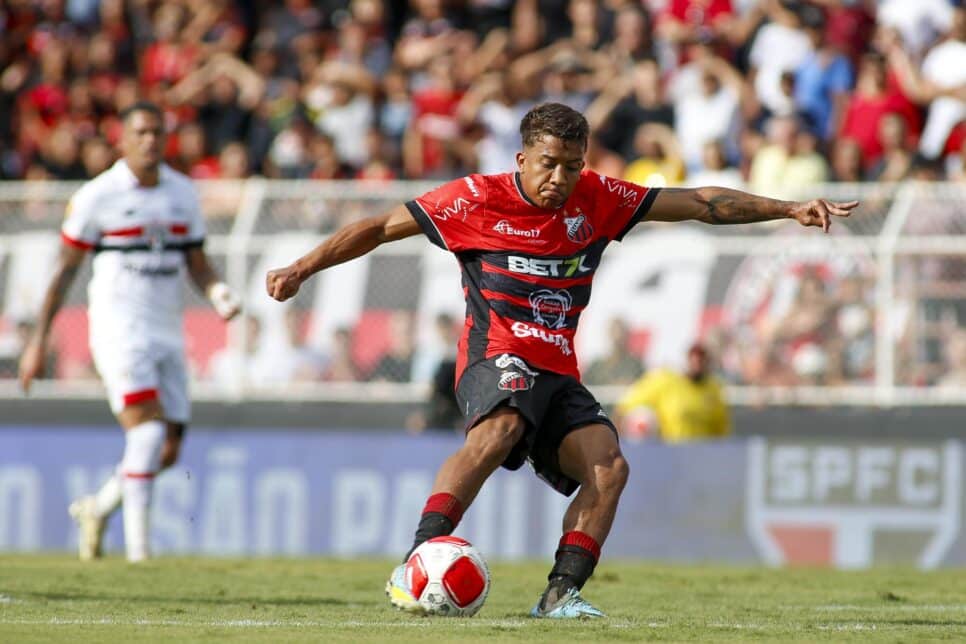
(766, 93)
(770, 95)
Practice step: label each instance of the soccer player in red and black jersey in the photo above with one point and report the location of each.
(528, 244)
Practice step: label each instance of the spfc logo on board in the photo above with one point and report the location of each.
(852, 505)
(579, 229)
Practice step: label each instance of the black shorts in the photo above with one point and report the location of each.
(552, 404)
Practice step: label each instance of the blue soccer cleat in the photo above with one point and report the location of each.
(398, 592)
(570, 605)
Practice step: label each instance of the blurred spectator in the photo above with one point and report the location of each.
(397, 364)
(941, 84)
(790, 160)
(96, 156)
(919, 22)
(342, 366)
(801, 334)
(620, 366)
(822, 83)
(869, 104)
(955, 375)
(896, 159)
(854, 351)
(686, 406)
(780, 47)
(710, 114)
(12, 346)
(339, 99)
(626, 104)
(441, 410)
(847, 161)
(426, 146)
(659, 162)
(716, 171)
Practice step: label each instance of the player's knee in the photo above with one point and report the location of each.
(169, 453)
(142, 448)
(495, 437)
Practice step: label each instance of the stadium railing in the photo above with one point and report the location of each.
(872, 314)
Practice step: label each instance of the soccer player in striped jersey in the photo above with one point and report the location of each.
(528, 243)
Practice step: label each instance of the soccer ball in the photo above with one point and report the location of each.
(448, 577)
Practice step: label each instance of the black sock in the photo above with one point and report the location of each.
(572, 569)
(432, 524)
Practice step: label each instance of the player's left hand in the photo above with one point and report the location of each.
(282, 283)
(226, 303)
(818, 212)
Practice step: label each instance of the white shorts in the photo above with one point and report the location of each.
(145, 371)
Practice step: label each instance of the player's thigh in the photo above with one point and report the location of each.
(171, 450)
(173, 385)
(131, 378)
(499, 430)
(590, 451)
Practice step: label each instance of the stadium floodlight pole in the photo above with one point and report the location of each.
(529, 243)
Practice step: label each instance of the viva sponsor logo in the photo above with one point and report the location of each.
(852, 505)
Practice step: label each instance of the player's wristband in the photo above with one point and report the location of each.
(226, 303)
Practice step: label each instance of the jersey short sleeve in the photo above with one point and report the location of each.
(620, 204)
(452, 214)
(81, 228)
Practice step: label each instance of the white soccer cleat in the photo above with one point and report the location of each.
(90, 528)
(400, 596)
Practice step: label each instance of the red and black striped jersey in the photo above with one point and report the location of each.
(527, 270)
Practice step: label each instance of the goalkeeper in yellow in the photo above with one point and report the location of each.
(686, 406)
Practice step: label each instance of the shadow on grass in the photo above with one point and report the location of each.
(173, 599)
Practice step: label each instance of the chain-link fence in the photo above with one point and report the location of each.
(873, 312)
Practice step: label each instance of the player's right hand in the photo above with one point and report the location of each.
(282, 283)
(31, 363)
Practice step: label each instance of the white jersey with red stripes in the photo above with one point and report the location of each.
(139, 235)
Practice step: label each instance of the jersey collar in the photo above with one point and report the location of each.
(523, 195)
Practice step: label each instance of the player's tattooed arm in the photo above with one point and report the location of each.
(725, 206)
(32, 360)
(347, 243)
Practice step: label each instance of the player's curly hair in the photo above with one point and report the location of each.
(554, 119)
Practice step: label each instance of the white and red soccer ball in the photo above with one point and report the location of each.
(448, 577)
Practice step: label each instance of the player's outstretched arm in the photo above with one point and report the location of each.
(726, 206)
(347, 243)
(34, 354)
(224, 301)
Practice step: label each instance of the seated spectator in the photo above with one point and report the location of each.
(789, 161)
(342, 366)
(896, 158)
(854, 349)
(847, 161)
(397, 364)
(620, 366)
(659, 162)
(918, 22)
(687, 406)
(955, 358)
(715, 169)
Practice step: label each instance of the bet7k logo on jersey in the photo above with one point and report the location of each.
(852, 505)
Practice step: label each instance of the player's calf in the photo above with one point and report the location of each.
(141, 462)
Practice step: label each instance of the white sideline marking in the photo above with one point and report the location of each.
(257, 623)
(938, 608)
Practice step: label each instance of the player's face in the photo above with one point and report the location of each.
(549, 170)
(142, 140)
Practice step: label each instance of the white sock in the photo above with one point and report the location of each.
(142, 460)
(108, 498)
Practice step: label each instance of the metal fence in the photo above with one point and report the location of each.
(873, 313)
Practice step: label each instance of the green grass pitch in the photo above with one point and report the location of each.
(58, 599)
